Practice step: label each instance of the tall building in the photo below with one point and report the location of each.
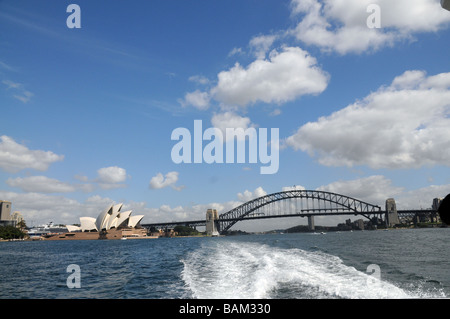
(17, 217)
(436, 203)
(5, 214)
(5, 210)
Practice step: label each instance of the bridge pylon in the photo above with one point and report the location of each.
(212, 222)
(311, 223)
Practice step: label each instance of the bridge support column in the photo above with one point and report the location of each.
(311, 223)
(212, 220)
(391, 213)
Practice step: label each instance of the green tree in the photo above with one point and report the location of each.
(185, 231)
(11, 232)
(21, 225)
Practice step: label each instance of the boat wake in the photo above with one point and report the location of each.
(227, 270)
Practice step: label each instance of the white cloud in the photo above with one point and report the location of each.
(293, 188)
(341, 25)
(11, 84)
(200, 79)
(40, 184)
(275, 112)
(225, 120)
(404, 125)
(235, 51)
(285, 76)
(43, 184)
(20, 93)
(422, 197)
(229, 119)
(376, 189)
(248, 195)
(42, 208)
(260, 45)
(111, 177)
(24, 96)
(159, 181)
(197, 99)
(15, 157)
(373, 189)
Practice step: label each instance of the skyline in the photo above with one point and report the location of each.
(88, 112)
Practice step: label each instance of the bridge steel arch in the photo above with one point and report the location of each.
(334, 204)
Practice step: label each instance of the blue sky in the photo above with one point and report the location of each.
(87, 113)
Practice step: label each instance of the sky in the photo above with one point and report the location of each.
(90, 96)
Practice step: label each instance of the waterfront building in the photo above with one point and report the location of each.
(108, 219)
(436, 203)
(5, 210)
(5, 213)
(17, 217)
(110, 223)
(359, 224)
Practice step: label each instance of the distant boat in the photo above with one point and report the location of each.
(215, 234)
(47, 229)
(123, 238)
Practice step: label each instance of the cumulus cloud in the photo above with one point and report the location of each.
(377, 188)
(341, 25)
(197, 99)
(403, 125)
(261, 44)
(15, 157)
(39, 208)
(40, 184)
(231, 120)
(43, 184)
(293, 188)
(111, 177)
(283, 77)
(373, 189)
(248, 195)
(159, 181)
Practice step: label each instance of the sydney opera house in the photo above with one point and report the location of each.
(110, 224)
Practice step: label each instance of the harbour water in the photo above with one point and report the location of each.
(409, 263)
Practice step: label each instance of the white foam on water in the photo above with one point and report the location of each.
(229, 270)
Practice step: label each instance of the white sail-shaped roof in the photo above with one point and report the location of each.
(123, 217)
(72, 228)
(114, 216)
(102, 219)
(134, 220)
(88, 223)
(110, 217)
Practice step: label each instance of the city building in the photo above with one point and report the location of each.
(5, 214)
(17, 217)
(436, 203)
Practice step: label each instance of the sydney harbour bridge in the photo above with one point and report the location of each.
(298, 203)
